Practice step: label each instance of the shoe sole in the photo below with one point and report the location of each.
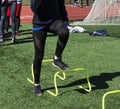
(40, 94)
(58, 66)
(1, 40)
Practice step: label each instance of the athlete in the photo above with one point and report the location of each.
(49, 16)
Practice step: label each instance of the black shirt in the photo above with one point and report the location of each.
(46, 11)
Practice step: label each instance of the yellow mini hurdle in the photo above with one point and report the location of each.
(63, 77)
(63, 72)
(108, 93)
(32, 81)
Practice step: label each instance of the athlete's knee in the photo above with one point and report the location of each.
(63, 32)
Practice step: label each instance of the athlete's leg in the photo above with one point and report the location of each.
(59, 27)
(18, 13)
(39, 38)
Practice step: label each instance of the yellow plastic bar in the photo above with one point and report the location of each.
(47, 60)
(89, 85)
(63, 78)
(31, 81)
(44, 61)
(108, 93)
(55, 82)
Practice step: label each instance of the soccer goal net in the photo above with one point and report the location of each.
(104, 12)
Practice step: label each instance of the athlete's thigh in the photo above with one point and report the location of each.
(57, 26)
(39, 38)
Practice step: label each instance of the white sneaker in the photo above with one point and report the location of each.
(13, 39)
(1, 39)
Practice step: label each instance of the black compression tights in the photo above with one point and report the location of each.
(58, 27)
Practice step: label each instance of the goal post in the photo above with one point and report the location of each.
(103, 12)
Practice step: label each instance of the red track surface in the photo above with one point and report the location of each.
(74, 13)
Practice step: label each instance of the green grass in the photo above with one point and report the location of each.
(26, 2)
(100, 55)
